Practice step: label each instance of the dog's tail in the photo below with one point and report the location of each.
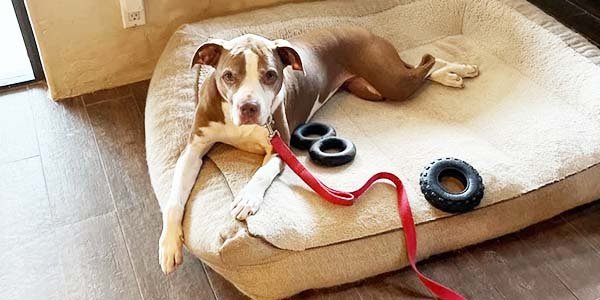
(422, 70)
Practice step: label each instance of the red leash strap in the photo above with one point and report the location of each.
(348, 198)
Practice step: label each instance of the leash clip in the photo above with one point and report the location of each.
(269, 127)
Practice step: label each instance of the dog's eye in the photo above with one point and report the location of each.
(228, 77)
(270, 77)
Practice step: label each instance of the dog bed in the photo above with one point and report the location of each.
(530, 124)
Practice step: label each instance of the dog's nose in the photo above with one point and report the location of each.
(249, 110)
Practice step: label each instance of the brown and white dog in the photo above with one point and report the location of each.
(252, 83)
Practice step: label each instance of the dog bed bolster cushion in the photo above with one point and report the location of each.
(530, 124)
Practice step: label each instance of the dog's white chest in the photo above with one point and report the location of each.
(250, 138)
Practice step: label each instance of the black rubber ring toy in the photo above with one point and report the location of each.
(307, 134)
(320, 155)
(445, 200)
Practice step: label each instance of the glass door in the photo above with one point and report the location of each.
(19, 59)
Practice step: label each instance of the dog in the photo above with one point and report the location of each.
(256, 80)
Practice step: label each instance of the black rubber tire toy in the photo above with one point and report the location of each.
(445, 200)
(307, 134)
(318, 151)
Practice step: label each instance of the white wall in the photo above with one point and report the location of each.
(84, 47)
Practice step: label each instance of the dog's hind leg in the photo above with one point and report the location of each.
(445, 77)
(462, 70)
(376, 61)
(452, 74)
(363, 89)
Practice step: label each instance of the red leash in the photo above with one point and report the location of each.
(347, 198)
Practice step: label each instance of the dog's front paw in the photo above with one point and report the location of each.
(246, 203)
(170, 254)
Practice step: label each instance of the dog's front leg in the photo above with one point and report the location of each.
(186, 170)
(250, 198)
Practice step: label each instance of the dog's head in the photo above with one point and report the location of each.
(249, 73)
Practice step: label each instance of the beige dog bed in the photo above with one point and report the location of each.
(530, 123)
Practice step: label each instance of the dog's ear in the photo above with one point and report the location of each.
(209, 53)
(289, 56)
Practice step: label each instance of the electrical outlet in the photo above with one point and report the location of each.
(134, 16)
(132, 13)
